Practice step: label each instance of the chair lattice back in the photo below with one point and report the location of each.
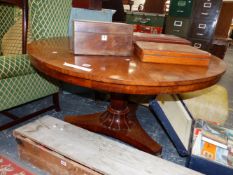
(49, 18)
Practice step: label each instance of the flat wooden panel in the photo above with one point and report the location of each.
(154, 6)
(159, 38)
(224, 20)
(95, 151)
(88, 4)
(167, 49)
(48, 160)
(120, 74)
(13, 2)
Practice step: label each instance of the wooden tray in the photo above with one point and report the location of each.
(171, 54)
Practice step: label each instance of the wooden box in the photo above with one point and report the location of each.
(171, 54)
(64, 149)
(102, 38)
(159, 38)
(178, 122)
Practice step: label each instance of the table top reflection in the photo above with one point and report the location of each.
(126, 75)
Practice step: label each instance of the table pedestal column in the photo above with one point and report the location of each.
(118, 121)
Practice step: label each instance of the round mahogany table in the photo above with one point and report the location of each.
(120, 76)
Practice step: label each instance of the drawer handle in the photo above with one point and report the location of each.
(181, 3)
(197, 45)
(199, 34)
(207, 4)
(202, 26)
(204, 13)
(178, 23)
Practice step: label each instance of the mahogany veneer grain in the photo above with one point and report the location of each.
(119, 76)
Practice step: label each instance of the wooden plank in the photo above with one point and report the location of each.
(159, 38)
(49, 160)
(97, 152)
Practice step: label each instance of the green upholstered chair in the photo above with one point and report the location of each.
(20, 83)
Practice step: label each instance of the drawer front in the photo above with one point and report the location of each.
(147, 19)
(207, 9)
(177, 26)
(181, 8)
(200, 44)
(202, 29)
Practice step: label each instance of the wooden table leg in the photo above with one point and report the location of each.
(118, 121)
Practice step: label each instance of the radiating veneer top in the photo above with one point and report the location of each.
(121, 74)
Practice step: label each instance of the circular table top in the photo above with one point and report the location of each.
(120, 74)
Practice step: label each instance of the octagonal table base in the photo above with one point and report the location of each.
(118, 121)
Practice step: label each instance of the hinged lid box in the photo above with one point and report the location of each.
(176, 119)
(102, 38)
(171, 54)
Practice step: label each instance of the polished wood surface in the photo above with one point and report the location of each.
(102, 38)
(171, 54)
(18, 3)
(87, 4)
(126, 75)
(224, 20)
(119, 76)
(159, 38)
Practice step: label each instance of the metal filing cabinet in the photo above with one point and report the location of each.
(201, 44)
(207, 9)
(179, 19)
(148, 19)
(201, 29)
(204, 20)
(177, 26)
(181, 8)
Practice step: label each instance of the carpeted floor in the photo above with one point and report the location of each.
(83, 103)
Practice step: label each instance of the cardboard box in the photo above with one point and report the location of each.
(179, 124)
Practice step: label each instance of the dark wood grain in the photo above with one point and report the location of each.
(13, 2)
(120, 76)
(171, 54)
(88, 4)
(102, 38)
(118, 121)
(159, 38)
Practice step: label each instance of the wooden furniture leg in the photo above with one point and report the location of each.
(118, 121)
